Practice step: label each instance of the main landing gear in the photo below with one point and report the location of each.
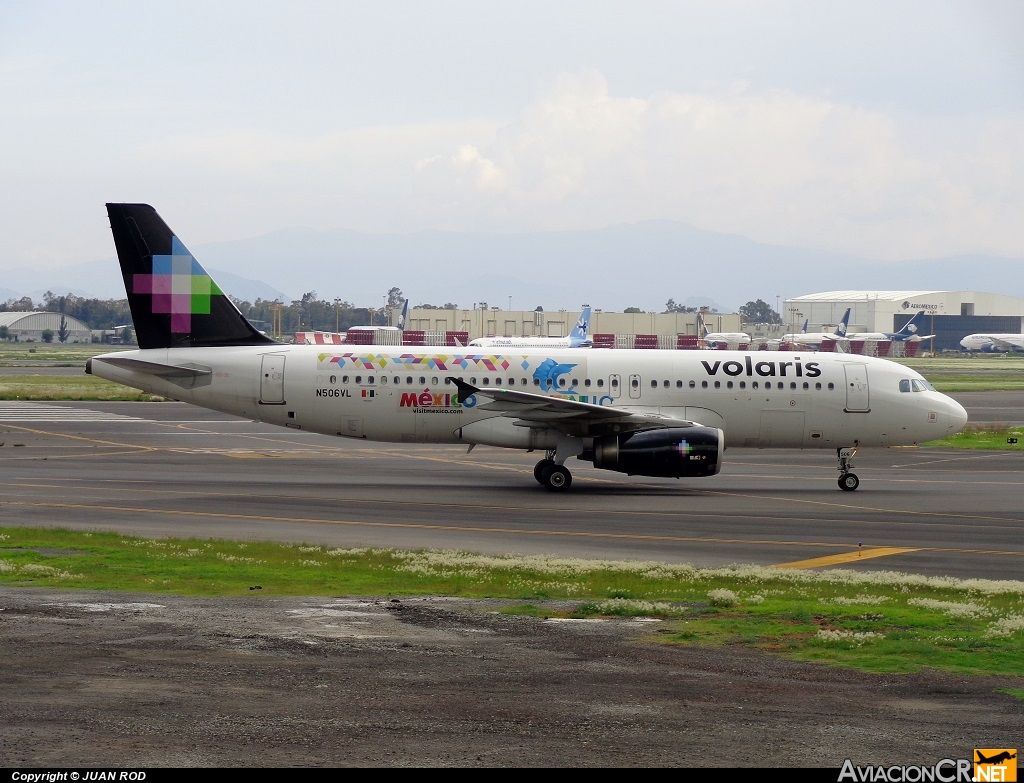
(848, 481)
(551, 475)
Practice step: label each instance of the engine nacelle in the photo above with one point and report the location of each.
(673, 453)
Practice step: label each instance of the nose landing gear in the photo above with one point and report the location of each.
(848, 481)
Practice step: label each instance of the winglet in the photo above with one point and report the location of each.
(466, 390)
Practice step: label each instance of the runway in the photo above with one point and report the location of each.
(169, 469)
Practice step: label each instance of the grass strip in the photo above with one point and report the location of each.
(878, 622)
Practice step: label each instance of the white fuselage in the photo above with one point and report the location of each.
(812, 339)
(714, 339)
(894, 336)
(995, 343)
(384, 393)
(525, 342)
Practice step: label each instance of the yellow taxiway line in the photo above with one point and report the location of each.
(847, 557)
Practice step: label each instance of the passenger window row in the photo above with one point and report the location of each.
(562, 383)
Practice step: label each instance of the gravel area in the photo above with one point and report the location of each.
(107, 679)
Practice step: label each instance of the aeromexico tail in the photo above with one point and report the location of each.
(813, 340)
(651, 413)
(909, 332)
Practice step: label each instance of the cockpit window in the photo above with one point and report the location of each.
(921, 385)
(905, 385)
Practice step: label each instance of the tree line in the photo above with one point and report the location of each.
(308, 313)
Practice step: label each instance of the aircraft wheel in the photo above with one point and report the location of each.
(540, 467)
(557, 478)
(849, 482)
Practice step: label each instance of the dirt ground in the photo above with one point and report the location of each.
(103, 679)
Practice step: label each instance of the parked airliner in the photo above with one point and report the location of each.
(813, 340)
(662, 413)
(993, 343)
(713, 340)
(579, 337)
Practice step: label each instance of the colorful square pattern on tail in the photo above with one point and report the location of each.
(179, 286)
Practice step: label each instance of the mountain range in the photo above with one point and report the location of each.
(636, 265)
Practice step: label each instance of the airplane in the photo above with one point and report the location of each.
(714, 339)
(996, 759)
(647, 413)
(993, 343)
(579, 337)
(813, 340)
(907, 334)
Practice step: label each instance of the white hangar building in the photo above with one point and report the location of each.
(29, 326)
(954, 313)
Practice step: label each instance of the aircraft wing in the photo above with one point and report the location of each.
(998, 342)
(572, 417)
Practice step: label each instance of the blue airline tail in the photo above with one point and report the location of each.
(403, 316)
(910, 327)
(843, 322)
(580, 334)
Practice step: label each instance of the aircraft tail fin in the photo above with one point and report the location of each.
(580, 333)
(843, 323)
(174, 302)
(910, 327)
(807, 322)
(403, 316)
(702, 328)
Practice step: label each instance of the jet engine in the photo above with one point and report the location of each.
(676, 452)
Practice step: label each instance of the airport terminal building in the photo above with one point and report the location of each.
(952, 314)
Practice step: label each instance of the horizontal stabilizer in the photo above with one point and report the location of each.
(187, 376)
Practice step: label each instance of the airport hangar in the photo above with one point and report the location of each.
(951, 315)
(28, 327)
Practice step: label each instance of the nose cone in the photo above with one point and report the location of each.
(957, 416)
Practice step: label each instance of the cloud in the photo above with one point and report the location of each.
(773, 165)
(777, 166)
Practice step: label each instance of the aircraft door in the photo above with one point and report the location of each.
(614, 386)
(634, 386)
(272, 379)
(857, 397)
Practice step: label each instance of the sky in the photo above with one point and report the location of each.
(888, 130)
